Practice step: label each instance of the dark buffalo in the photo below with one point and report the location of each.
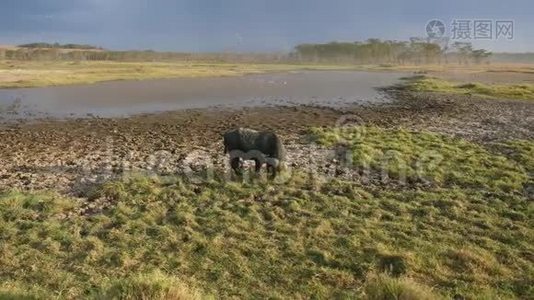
(260, 146)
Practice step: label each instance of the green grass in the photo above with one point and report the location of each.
(428, 157)
(521, 151)
(168, 238)
(506, 91)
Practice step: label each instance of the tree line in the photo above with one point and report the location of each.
(61, 54)
(59, 46)
(375, 51)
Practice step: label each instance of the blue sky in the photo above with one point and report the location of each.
(247, 25)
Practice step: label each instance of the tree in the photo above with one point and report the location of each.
(463, 51)
(480, 55)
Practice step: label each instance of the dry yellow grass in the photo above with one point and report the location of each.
(18, 74)
(471, 68)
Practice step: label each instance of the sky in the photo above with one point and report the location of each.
(249, 25)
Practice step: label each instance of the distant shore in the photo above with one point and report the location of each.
(21, 74)
(26, 74)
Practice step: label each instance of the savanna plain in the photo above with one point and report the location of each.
(426, 196)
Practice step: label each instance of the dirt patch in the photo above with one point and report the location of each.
(72, 156)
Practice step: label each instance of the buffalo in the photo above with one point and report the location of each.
(263, 147)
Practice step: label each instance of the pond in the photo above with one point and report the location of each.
(125, 98)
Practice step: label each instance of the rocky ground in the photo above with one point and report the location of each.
(73, 156)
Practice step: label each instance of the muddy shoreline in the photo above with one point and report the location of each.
(73, 156)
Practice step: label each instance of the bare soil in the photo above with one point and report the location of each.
(75, 155)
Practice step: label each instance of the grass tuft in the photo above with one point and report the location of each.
(155, 285)
(383, 287)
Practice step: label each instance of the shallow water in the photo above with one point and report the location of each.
(125, 98)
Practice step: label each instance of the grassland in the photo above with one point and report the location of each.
(466, 229)
(461, 68)
(18, 74)
(503, 91)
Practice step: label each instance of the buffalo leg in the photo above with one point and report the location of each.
(257, 165)
(272, 170)
(235, 163)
